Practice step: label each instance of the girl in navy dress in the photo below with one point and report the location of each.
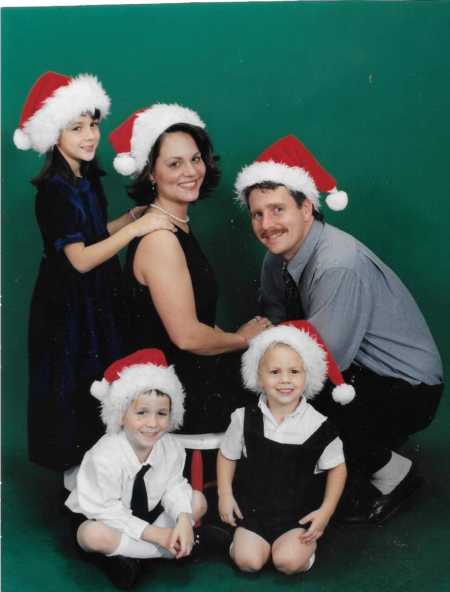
(76, 311)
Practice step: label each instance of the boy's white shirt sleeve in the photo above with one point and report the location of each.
(177, 497)
(99, 496)
(232, 443)
(332, 456)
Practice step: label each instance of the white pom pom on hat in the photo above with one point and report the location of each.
(21, 140)
(125, 164)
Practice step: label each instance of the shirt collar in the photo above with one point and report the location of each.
(300, 410)
(298, 262)
(133, 464)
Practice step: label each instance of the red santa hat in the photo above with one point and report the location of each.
(134, 138)
(54, 101)
(124, 380)
(318, 362)
(288, 162)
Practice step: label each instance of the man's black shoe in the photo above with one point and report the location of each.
(385, 506)
(122, 571)
(377, 509)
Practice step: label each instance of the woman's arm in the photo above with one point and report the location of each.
(160, 265)
(85, 258)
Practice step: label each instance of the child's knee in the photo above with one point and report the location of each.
(250, 564)
(247, 560)
(199, 505)
(290, 563)
(96, 537)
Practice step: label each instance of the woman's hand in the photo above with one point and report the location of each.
(254, 327)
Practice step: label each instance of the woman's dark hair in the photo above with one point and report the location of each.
(143, 192)
(298, 196)
(56, 164)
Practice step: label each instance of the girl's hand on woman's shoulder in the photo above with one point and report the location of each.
(150, 222)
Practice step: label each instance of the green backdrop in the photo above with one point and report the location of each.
(366, 86)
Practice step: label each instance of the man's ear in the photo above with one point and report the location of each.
(307, 208)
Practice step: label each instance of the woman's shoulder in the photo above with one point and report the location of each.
(159, 244)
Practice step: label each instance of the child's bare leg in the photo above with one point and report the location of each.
(249, 551)
(290, 555)
(199, 505)
(96, 537)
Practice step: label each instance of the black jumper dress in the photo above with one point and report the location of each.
(275, 485)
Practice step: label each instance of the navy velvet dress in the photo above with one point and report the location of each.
(212, 383)
(75, 324)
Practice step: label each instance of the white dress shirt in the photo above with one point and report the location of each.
(295, 428)
(104, 483)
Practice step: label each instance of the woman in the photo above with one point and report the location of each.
(171, 286)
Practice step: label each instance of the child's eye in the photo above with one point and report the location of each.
(94, 124)
(76, 128)
(163, 413)
(276, 371)
(141, 412)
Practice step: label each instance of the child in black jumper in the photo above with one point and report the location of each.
(272, 450)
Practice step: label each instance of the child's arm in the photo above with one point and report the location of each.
(319, 519)
(182, 539)
(85, 258)
(126, 218)
(228, 506)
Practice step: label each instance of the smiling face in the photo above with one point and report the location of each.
(281, 375)
(145, 421)
(278, 221)
(78, 142)
(179, 171)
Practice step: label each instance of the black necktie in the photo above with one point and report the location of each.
(139, 500)
(294, 307)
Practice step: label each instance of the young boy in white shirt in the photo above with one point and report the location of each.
(274, 447)
(130, 484)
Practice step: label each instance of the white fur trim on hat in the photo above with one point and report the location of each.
(84, 94)
(133, 381)
(294, 178)
(312, 355)
(149, 125)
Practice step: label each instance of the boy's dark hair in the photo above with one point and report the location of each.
(298, 196)
(56, 164)
(142, 191)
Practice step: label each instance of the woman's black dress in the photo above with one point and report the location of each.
(212, 383)
(74, 329)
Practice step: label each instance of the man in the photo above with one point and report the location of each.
(363, 312)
